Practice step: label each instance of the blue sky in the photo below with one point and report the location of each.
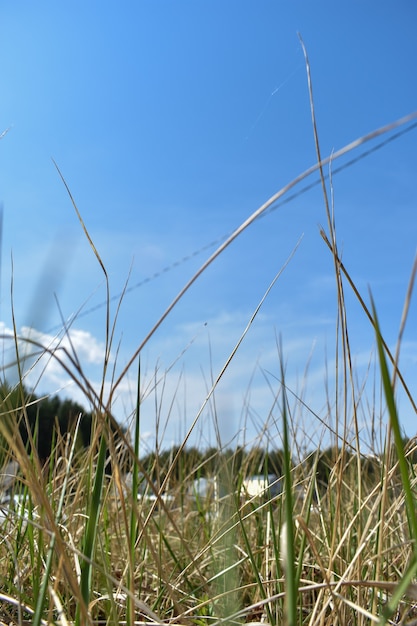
(171, 123)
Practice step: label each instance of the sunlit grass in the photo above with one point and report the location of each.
(185, 561)
(337, 545)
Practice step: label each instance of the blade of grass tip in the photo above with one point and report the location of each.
(316, 138)
(90, 241)
(404, 316)
(15, 335)
(250, 220)
(287, 530)
(396, 429)
(98, 257)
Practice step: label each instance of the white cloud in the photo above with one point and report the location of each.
(45, 359)
(75, 342)
(177, 374)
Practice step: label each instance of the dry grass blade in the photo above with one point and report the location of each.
(404, 318)
(262, 209)
(393, 360)
(109, 333)
(20, 606)
(61, 618)
(215, 383)
(87, 234)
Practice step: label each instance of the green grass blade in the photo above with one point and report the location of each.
(394, 423)
(37, 618)
(287, 530)
(92, 526)
(256, 573)
(396, 429)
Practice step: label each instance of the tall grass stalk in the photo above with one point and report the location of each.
(45, 576)
(287, 531)
(133, 530)
(92, 525)
(394, 424)
(250, 220)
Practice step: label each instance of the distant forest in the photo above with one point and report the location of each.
(44, 419)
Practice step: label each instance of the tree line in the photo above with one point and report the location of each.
(42, 421)
(327, 464)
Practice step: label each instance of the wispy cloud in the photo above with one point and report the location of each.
(43, 357)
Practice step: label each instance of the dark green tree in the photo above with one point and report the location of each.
(43, 421)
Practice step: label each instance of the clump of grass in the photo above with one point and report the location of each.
(336, 546)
